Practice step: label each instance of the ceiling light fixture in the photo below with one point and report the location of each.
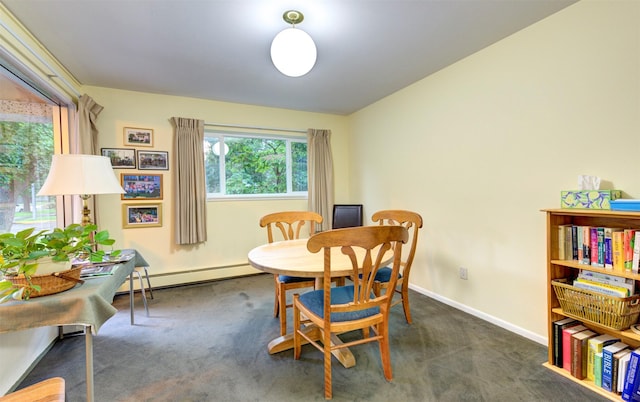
(293, 52)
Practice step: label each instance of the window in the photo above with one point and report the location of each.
(27, 134)
(239, 165)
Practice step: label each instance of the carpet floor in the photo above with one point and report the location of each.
(208, 342)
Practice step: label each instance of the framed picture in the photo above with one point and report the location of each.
(141, 215)
(153, 160)
(138, 137)
(121, 158)
(141, 187)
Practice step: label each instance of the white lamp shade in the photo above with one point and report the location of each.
(80, 175)
(293, 52)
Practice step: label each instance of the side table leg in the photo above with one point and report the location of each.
(131, 295)
(89, 361)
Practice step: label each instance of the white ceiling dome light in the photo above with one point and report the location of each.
(293, 52)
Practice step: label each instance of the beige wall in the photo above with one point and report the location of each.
(482, 146)
(232, 225)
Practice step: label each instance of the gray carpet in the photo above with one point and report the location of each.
(208, 342)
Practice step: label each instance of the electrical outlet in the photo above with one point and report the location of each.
(463, 273)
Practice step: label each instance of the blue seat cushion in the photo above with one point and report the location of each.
(384, 275)
(292, 279)
(314, 301)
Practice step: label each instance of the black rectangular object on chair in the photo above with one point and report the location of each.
(346, 216)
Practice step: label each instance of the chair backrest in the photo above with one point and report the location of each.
(367, 247)
(290, 223)
(408, 219)
(346, 216)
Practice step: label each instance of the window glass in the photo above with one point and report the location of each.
(26, 149)
(245, 165)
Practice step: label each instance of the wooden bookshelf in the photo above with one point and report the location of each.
(557, 269)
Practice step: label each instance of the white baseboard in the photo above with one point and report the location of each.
(486, 317)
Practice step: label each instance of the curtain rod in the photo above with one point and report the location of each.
(256, 127)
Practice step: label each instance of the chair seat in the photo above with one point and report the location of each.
(292, 279)
(384, 275)
(314, 301)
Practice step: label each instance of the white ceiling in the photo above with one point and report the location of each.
(219, 49)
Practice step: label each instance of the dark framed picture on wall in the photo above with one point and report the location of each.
(121, 158)
(141, 187)
(141, 215)
(138, 137)
(153, 160)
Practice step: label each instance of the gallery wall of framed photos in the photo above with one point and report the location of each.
(144, 190)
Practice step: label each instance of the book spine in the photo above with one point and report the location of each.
(586, 245)
(631, 376)
(629, 238)
(580, 240)
(607, 366)
(608, 251)
(597, 369)
(618, 251)
(561, 240)
(576, 358)
(636, 253)
(574, 242)
(600, 234)
(594, 246)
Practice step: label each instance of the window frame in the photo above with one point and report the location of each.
(289, 139)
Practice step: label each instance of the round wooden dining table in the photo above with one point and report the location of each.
(291, 257)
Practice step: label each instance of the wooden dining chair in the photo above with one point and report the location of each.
(290, 224)
(413, 222)
(50, 390)
(336, 310)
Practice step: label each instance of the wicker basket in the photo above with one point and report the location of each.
(50, 283)
(618, 313)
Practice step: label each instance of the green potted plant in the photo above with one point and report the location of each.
(22, 253)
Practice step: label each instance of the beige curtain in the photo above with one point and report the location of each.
(191, 194)
(87, 144)
(88, 111)
(320, 174)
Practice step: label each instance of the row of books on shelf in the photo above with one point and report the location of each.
(605, 247)
(610, 285)
(602, 358)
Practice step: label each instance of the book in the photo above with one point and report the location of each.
(99, 269)
(597, 369)
(617, 245)
(593, 237)
(636, 253)
(596, 344)
(629, 239)
(574, 242)
(607, 363)
(604, 288)
(608, 246)
(558, 326)
(561, 242)
(579, 351)
(623, 366)
(566, 344)
(580, 241)
(609, 279)
(616, 368)
(600, 241)
(632, 378)
(586, 245)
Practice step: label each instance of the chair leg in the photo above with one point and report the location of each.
(405, 302)
(276, 309)
(282, 304)
(146, 274)
(297, 346)
(328, 392)
(385, 354)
